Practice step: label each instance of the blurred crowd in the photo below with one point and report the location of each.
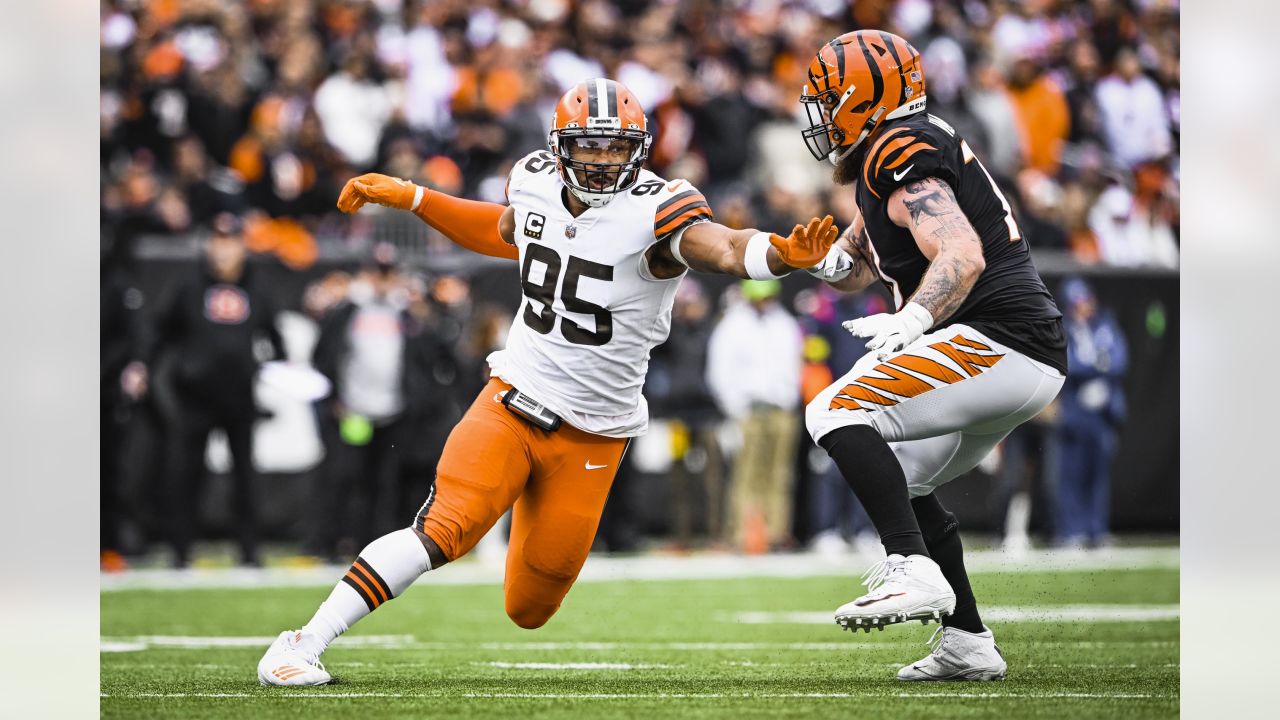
(349, 395)
(264, 107)
(379, 361)
(237, 123)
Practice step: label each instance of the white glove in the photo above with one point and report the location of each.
(834, 267)
(891, 332)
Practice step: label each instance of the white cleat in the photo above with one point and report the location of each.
(958, 655)
(899, 589)
(285, 663)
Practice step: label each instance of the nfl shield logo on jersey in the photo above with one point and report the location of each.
(570, 231)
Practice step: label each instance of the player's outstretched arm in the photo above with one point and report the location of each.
(928, 208)
(713, 248)
(480, 227)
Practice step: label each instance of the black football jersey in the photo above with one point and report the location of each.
(1009, 301)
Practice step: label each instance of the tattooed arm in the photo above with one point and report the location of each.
(854, 241)
(928, 208)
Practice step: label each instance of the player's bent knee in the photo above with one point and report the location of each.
(918, 490)
(545, 570)
(531, 599)
(821, 420)
(530, 616)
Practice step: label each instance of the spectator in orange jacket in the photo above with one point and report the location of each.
(1043, 113)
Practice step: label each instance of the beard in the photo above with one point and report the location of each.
(846, 171)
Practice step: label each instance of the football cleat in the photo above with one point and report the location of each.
(286, 663)
(958, 655)
(899, 589)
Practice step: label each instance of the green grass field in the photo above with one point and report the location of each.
(737, 649)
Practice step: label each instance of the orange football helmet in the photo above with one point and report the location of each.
(857, 81)
(594, 116)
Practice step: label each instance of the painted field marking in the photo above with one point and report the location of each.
(696, 696)
(1088, 666)
(572, 665)
(600, 568)
(407, 642)
(1007, 614)
(267, 695)
(145, 642)
(120, 646)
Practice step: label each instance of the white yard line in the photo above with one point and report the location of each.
(654, 567)
(406, 642)
(571, 666)
(696, 696)
(994, 613)
(144, 642)
(320, 695)
(1087, 666)
(120, 646)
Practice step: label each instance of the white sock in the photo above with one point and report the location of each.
(384, 569)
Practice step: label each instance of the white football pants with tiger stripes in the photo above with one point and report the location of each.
(942, 403)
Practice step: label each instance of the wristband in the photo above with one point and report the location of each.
(920, 314)
(418, 194)
(756, 259)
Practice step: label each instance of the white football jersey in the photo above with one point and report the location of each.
(592, 311)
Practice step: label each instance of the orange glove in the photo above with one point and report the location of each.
(806, 246)
(380, 190)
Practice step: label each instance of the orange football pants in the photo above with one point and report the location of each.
(557, 481)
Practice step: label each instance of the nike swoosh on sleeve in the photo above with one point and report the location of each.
(899, 175)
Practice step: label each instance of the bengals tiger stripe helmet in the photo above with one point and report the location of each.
(857, 81)
(594, 114)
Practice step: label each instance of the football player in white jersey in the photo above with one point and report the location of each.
(602, 244)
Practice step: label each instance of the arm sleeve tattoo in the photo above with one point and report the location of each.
(936, 220)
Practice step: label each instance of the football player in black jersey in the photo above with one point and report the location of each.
(975, 348)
